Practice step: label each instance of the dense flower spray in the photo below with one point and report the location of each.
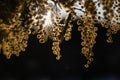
(53, 19)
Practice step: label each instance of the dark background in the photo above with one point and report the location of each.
(38, 62)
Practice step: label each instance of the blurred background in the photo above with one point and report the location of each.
(38, 62)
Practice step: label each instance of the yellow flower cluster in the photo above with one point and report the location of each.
(111, 17)
(44, 19)
(42, 36)
(68, 33)
(56, 41)
(88, 36)
(14, 37)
